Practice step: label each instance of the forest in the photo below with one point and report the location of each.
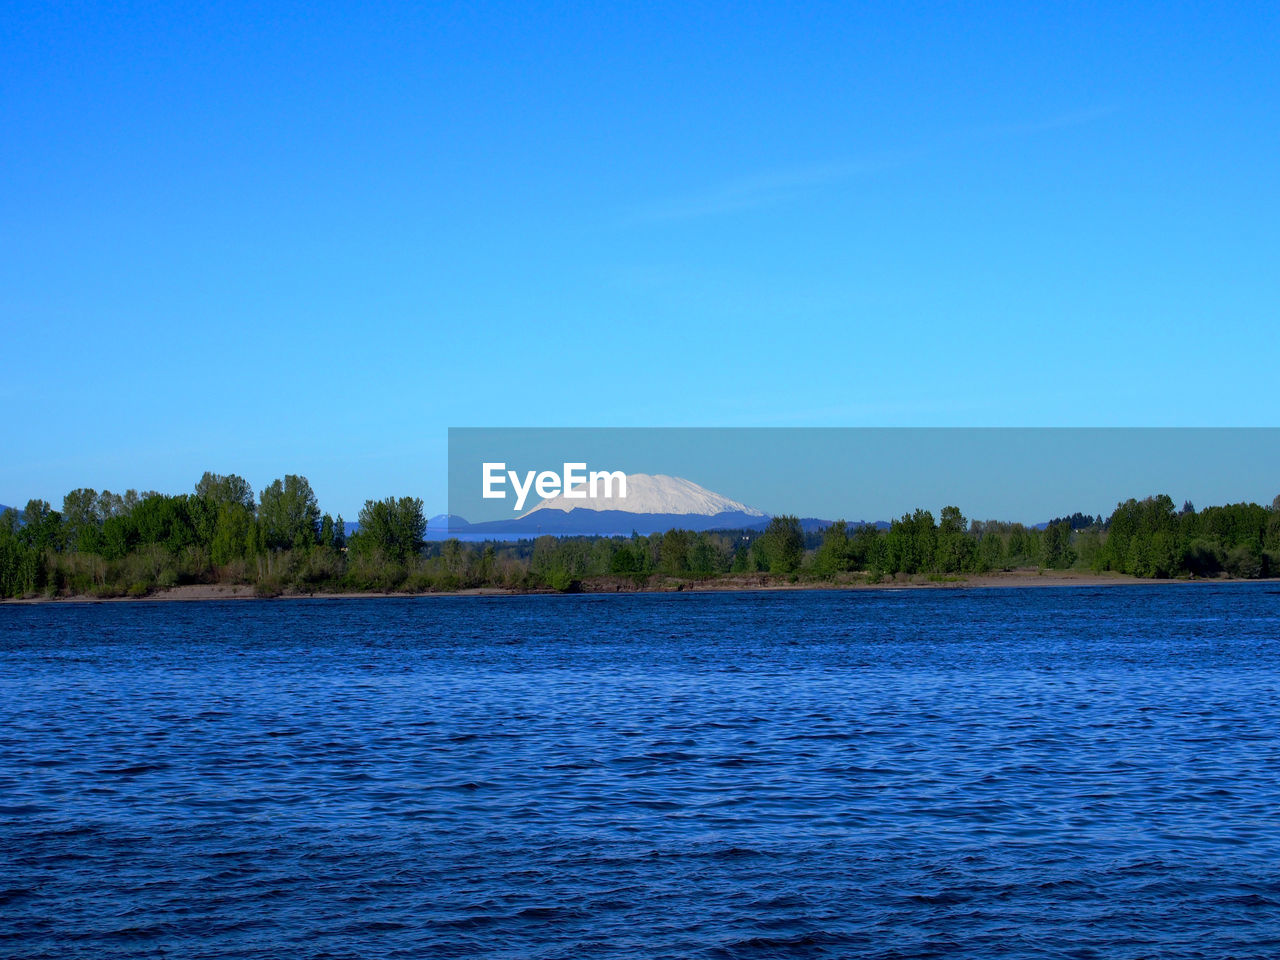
(102, 544)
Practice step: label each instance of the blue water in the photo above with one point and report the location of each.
(971, 774)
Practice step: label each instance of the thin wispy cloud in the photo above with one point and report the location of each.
(779, 187)
(766, 189)
(1072, 118)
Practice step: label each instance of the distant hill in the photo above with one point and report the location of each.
(3, 508)
(654, 503)
(608, 523)
(612, 523)
(814, 525)
(810, 525)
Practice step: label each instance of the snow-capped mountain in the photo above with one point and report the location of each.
(652, 493)
(654, 503)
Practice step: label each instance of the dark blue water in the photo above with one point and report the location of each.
(973, 774)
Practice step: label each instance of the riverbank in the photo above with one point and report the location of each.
(1022, 578)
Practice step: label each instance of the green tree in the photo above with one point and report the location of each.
(674, 552)
(116, 505)
(991, 554)
(1018, 547)
(1163, 557)
(229, 488)
(953, 548)
(627, 559)
(41, 526)
(909, 544)
(164, 520)
(488, 564)
(81, 521)
(22, 566)
(232, 534)
(1056, 546)
(782, 544)
(397, 527)
(1244, 561)
(867, 549)
(1271, 536)
(289, 515)
(1088, 546)
(550, 565)
(1203, 558)
(455, 556)
(835, 553)
(219, 511)
(704, 556)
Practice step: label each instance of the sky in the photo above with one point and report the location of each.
(310, 238)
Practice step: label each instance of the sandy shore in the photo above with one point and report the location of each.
(1026, 578)
(218, 591)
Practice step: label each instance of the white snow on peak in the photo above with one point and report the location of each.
(652, 493)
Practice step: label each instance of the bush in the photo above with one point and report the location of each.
(193, 565)
(374, 572)
(1245, 562)
(322, 565)
(561, 580)
(420, 580)
(1204, 558)
(236, 571)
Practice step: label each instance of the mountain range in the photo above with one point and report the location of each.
(655, 503)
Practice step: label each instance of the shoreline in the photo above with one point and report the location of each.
(1029, 578)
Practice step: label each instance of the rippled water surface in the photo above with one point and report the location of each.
(981, 773)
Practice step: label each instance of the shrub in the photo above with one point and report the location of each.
(1204, 558)
(1245, 562)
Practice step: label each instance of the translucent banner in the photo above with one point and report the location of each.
(513, 483)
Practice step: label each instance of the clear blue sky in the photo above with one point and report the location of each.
(309, 238)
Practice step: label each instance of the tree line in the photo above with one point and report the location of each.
(106, 544)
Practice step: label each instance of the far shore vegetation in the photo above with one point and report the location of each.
(279, 542)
